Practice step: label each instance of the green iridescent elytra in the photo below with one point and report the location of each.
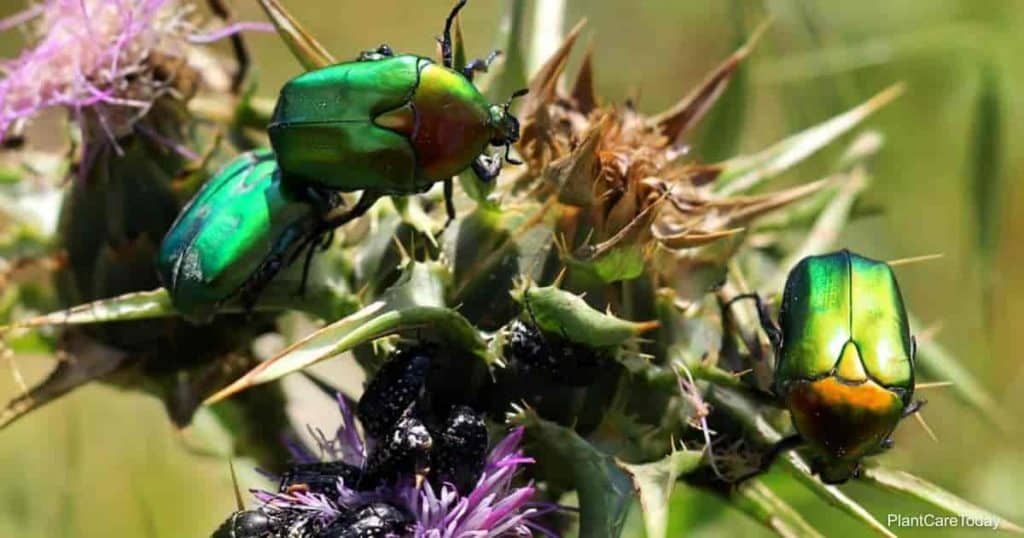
(845, 366)
(840, 298)
(391, 124)
(237, 231)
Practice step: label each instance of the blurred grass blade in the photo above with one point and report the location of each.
(989, 189)
(603, 488)
(675, 121)
(306, 49)
(762, 504)
(547, 32)
(831, 494)
(509, 73)
(742, 173)
(825, 231)
(918, 488)
(654, 482)
(721, 132)
(130, 306)
(938, 363)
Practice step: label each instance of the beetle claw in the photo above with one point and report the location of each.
(486, 167)
(914, 407)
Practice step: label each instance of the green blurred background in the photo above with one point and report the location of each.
(104, 463)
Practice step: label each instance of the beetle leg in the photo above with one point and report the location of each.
(379, 53)
(449, 204)
(783, 445)
(914, 407)
(772, 330)
(479, 65)
(237, 45)
(486, 167)
(446, 39)
(261, 277)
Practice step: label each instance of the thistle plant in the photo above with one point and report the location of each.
(580, 305)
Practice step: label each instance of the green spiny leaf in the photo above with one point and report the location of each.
(918, 488)
(372, 322)
(415, 301)
(654, 482)
(604, 490)
(743, 173)
(130, 306)
(561, 312)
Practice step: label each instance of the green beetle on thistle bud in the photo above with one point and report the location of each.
(383, 124)
(390, 124)
(844, 360)
(238, 231)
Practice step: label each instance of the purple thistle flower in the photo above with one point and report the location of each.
(494, 508)
(96, 56)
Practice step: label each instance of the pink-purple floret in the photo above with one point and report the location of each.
(92, 54)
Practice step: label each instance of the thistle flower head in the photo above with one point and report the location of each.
(111, 59)
(494, 507)
(638, 190)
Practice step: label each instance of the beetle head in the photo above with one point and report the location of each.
(506, 125)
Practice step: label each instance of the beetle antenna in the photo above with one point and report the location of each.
(446, 39)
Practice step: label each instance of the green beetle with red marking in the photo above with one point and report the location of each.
(390, 124)
(383, 124)
(844, 360)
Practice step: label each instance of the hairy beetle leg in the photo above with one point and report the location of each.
(765, 318)
(379, 53)
(323, 234)
(479, 65)
(783, 445)
(914, 407)
(241, 52)
(447, 57)
(253, 287)
(449, 203)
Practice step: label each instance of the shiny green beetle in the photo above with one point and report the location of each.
(845, 359)
(389, 124)
(238, 231)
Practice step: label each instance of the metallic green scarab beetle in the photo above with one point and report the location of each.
(845, 359)
(389, 124)
(238, 231)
